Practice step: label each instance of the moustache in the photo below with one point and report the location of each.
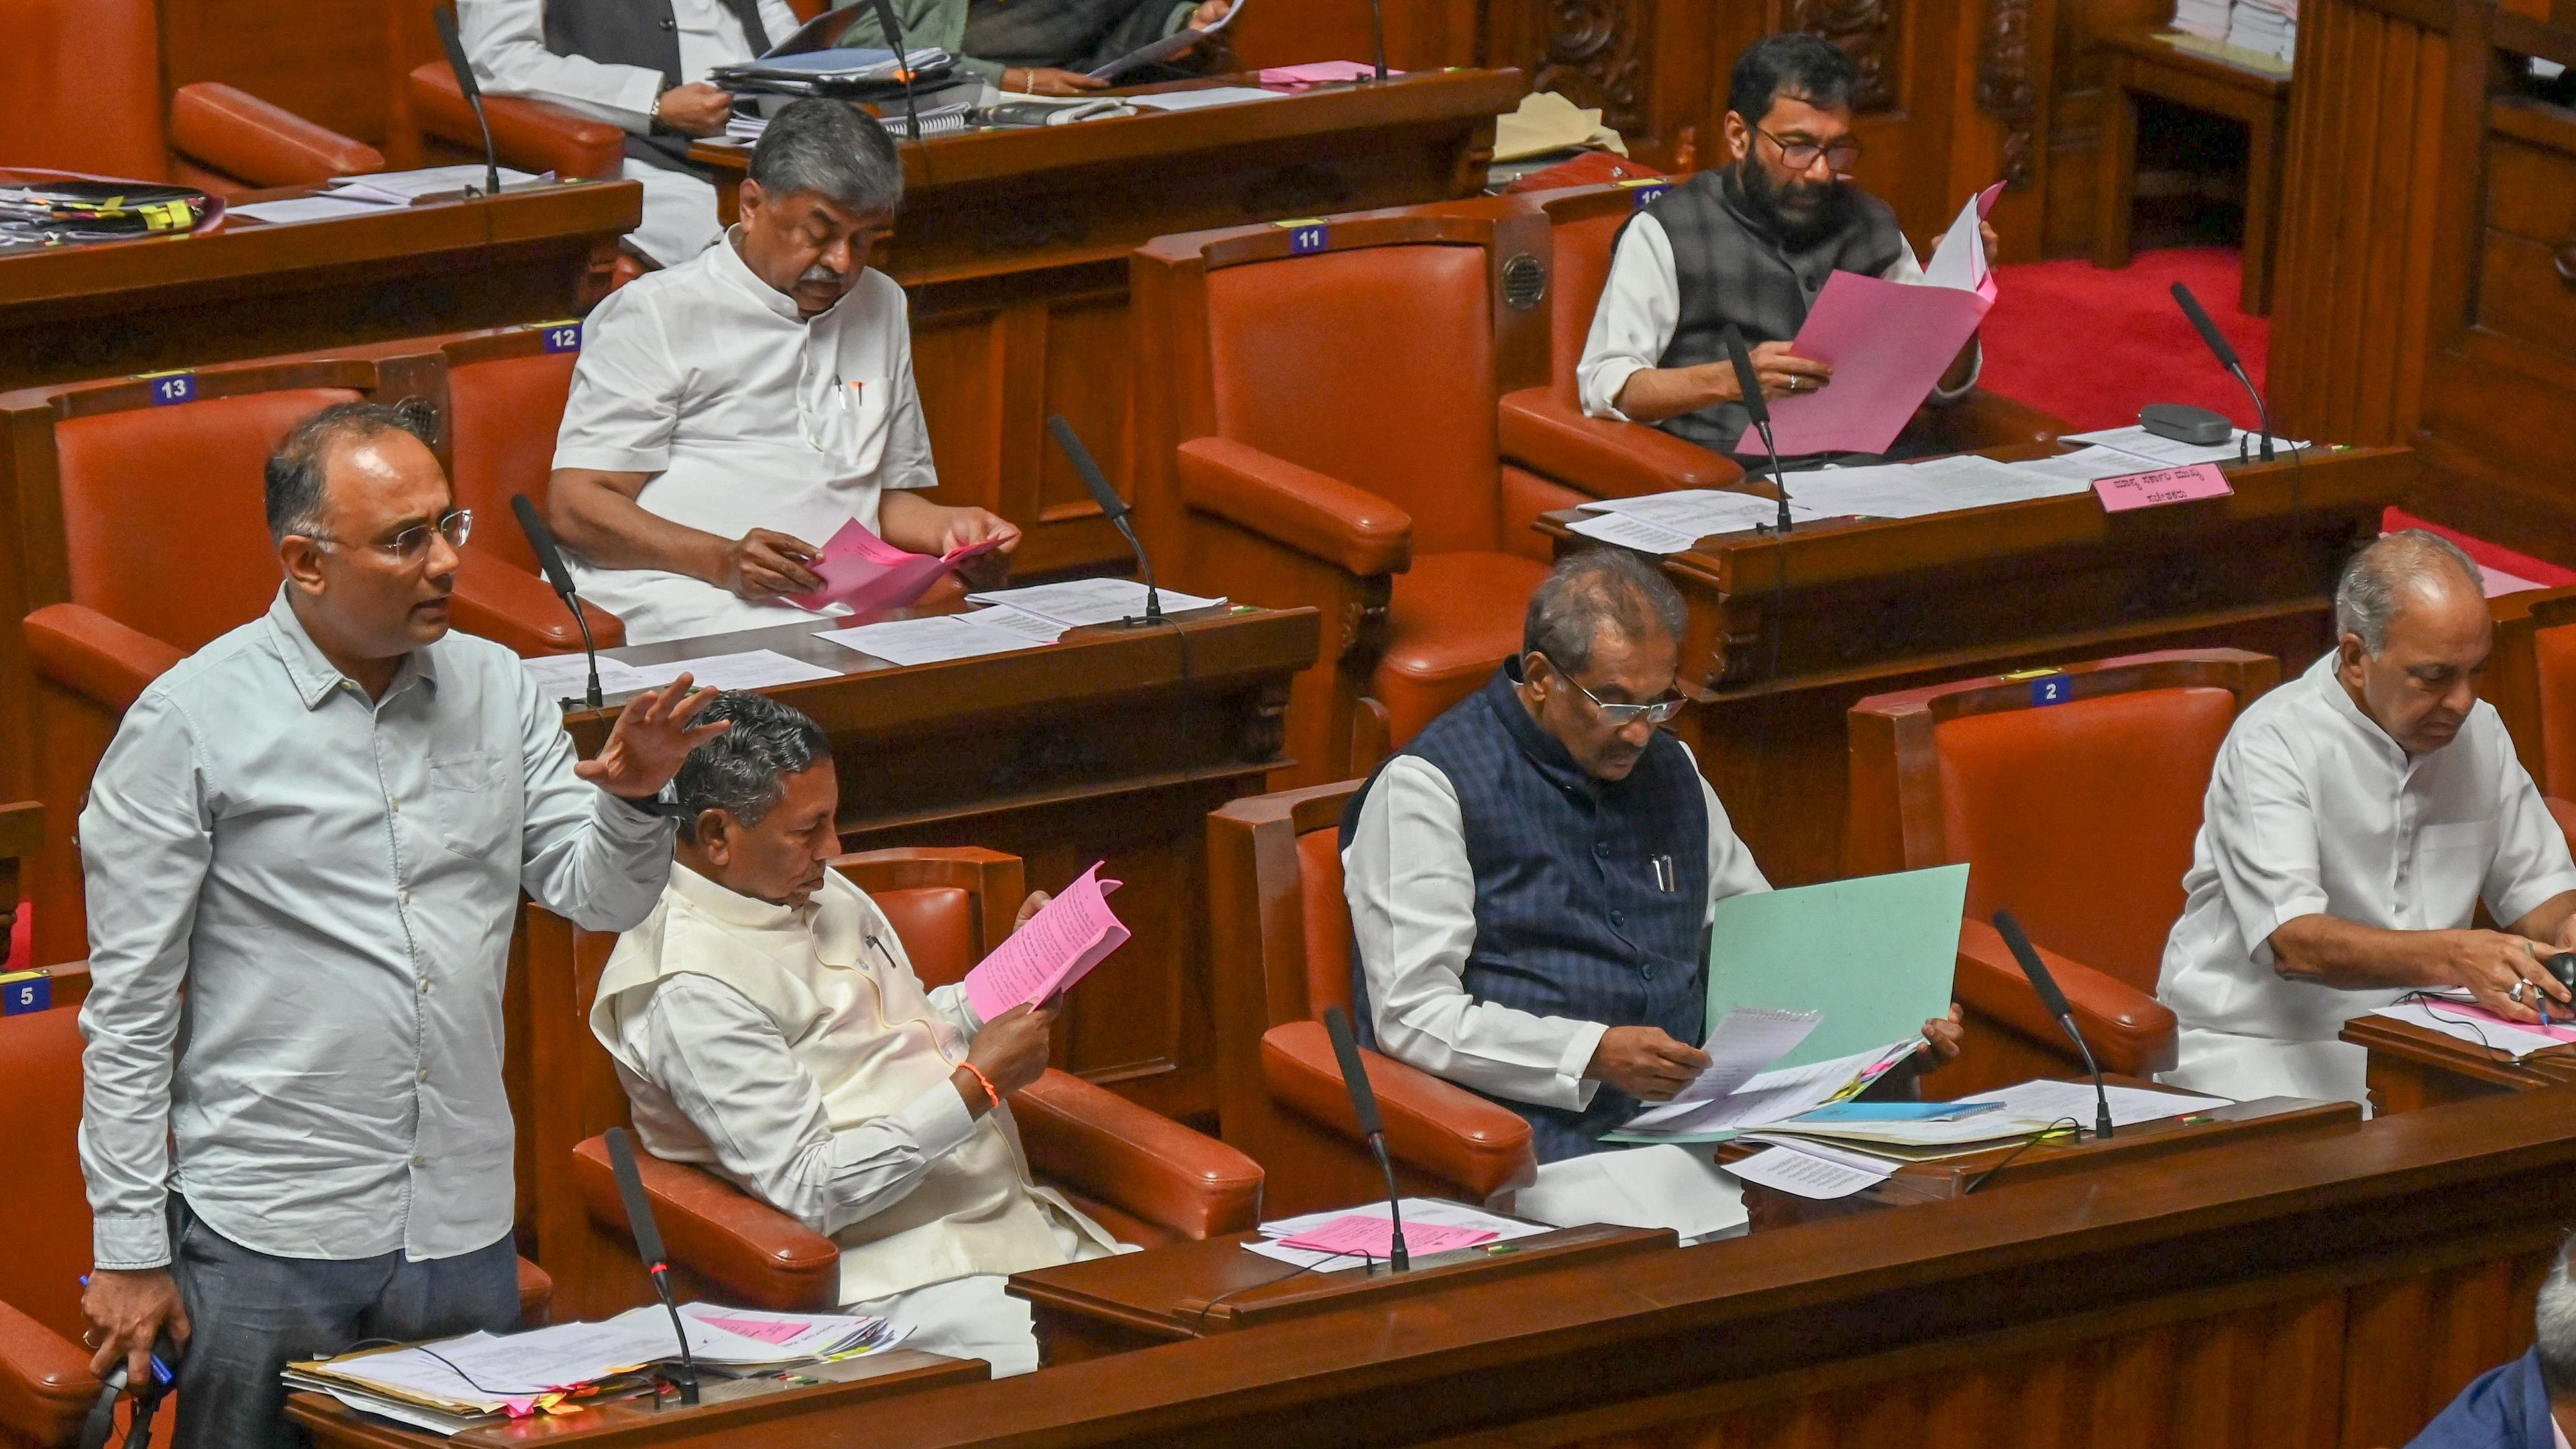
(818, 273)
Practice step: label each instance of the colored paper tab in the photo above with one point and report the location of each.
(1375, 1238)
(1056, 949)
(2161, 486)
(869, 575)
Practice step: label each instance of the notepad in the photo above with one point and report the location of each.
(1054, 951)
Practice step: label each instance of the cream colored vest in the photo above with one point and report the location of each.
(834, 977)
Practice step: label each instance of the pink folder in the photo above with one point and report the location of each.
(1888, 343)
(1057, 948)
(1371, 1237)
(871, 575)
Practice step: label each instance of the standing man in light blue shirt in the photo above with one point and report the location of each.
(304, 852)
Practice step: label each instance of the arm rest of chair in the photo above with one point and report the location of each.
(1603, 457)
(1108, 1147)
(758, 1255)
(1984, 420)
(1313, 513)
(2131, 1032)
(1432, 1126)
(46, 1387)
(239, 134)
(520, 610)
(530, 135)
(94, 656)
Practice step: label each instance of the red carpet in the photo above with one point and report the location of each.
(2094, 346)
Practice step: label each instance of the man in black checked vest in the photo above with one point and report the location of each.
(1750, 243)
(1531, 879)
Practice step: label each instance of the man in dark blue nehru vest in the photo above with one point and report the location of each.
(1531, 879)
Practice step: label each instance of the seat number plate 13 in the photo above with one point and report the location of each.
(173, 387)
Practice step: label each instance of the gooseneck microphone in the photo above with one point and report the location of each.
(893, 28)
(1112, 507)
(1372, 1126)
(550, 558)
(1377, 35)
(2044, 986)
(1748, 384)
(444, 17)
(2227, 358)
(648, 1246)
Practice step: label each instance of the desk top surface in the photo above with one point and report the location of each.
(2422, 1046)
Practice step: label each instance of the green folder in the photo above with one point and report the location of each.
(1876, 955)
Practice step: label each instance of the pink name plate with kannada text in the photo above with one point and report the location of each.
(2161, 486)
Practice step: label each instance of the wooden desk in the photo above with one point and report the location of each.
(1187, 1290)
(2148, 62)
(1014, 247)
(1789, 634)
(2413, 1067)
(723, 1405)
(250, 289)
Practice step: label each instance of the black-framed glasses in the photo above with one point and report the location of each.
(1654, 711)
(410, 545)
(1841, 155)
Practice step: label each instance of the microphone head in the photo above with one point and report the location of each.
(1346, 1050)
(1111, 505)
(639, 1208)
(444, 17)
(893, 28)
(2207, 329)
(2041, 983)
(1748, 383)
(542, 539)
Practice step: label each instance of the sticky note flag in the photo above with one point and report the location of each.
(1057, 948)
(1366, 1236)
(870, 575)
(2161, 486)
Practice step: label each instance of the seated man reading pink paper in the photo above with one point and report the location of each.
(768, 1027)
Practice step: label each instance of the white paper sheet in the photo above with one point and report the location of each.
(1089, 601)
(2083, 466)
(1767, 1099)
(1806, 1174)
(1708, 510)
(2483, 1033)
(2166, 453)
(1878, 490)
(401, 187)
(1199, 99)
(481, 1369)
(1663, 1186)
(1960, 259)
(310, 208)
(1629, 531)
(1967, 480)
(751, 669)
(932, 638)
(1746, 1039)
(567, 676)
(2046, 1101)
(1023, 623)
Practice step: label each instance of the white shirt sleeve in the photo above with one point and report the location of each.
(1641, 304)
(625, 397)
(730, 1073)
(2261, 832)
(1412, 895)
(1910, 271)
(2531, 862)
(506, 42)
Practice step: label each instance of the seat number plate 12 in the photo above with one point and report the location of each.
(172, 387)
(563, 337)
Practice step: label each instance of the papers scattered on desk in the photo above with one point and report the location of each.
(1811, 1174)
(567, 676)
(1199, 100)
(325, 207)
(751, 669)
(402, 188)
(2046, 1100)
(2471, 1023)
(1423, 1211)
(934, 638)
(487, 1373)
(1088, 601)
(1672, 522)
(1747, 1039)
(2166, 452)
(1769, 1097)
(1642, 1187)
(752, 1338)
(1368, 1237)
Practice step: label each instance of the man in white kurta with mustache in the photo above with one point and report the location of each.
(768, 1027)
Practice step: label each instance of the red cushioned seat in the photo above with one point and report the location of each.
(1455, 618)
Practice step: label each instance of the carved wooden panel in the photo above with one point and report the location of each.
(1867, 31)
(2008, 84)
(1598, 53)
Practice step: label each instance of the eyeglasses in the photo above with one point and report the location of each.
(412, 544)
(1842, 155)
(1621, 715)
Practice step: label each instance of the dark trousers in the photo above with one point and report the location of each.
(251, 1314)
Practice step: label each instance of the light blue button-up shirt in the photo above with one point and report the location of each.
(332, 880)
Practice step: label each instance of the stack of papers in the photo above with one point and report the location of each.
(936, 638)
(1663, 1186)
(2266, 27)
(2166, 453)
(1766, 1098)
(402, 188)
(1426, 1220)
(1089, 601)
(2204, 18)
(2453, 1013)
(753, 1338)
(1672, 522)
(567, 676)
(1812, 1169)
(817, 72)
(1200, 99)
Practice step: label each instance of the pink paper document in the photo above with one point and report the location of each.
(870, 575)
(1375, 1238)
(2161, 486)
(2558, 1026)
(766, 1330)
(1316, 73)
(1057, 948)
(1888, 343)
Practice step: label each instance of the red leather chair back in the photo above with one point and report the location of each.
(155, 494)
(2554, 651)
(1349, 363)
(1582, 269)
(2080, 817)
(47, 1207)
(83, 78)
(1326, 914)
(502, 416)
(937, 925)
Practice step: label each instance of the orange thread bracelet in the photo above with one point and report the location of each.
(991, 1096)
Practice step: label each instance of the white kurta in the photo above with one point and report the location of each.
(793, 1052)
(1412, 894)
(747, 416)
(505, 40)
(1641, 304)
(2312, 809)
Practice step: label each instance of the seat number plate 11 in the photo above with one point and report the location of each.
(1307, 236)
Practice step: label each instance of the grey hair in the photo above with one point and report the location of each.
(2375, 582)
(300, 468)
(1595, 588)
(743, 771)
(830, 148)
(2557, 1323)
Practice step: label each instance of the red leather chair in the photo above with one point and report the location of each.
(1145, 1177)
(85, 94)
(121, 499)
(2077, 815)
(46, 1387)
(1544, 429)
(2531, 681)
(1281, 932)
(1319, 429)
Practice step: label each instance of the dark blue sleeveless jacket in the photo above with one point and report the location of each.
(1570, 920)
